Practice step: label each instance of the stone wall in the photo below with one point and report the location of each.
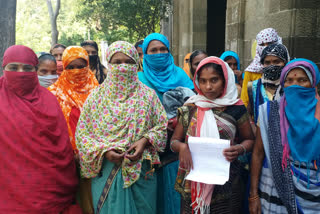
(297, 22)
(189, 28)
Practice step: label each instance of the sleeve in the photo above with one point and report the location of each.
(157, 135)
(244, 91)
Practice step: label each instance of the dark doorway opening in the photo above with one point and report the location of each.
(216, 26)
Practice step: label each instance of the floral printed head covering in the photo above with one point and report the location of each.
(120, 112)
(74, 85)
(122, 79)
(268, 35)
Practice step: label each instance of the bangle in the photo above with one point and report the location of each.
(244, 149)
(173, 141)
(253, 198)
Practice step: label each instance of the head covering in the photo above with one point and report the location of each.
(206, 125)
(94, 61)
(186, 67)
(74, 85)
(268, 35)
(23, 84)
(36, 157)
(20, 53)
(299, 116)
(271, 73)
(160, 70)
(233, 54)
(123, 111)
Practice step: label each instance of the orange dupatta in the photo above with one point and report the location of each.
(73, 86)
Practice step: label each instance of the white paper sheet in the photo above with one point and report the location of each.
(209, 164)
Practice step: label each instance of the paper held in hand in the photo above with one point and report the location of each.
(209, 164)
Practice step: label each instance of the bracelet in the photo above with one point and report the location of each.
(173, 141)
(253, 198)
(244, 149)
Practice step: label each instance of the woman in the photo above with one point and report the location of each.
(284, 173)
(215, 112)
(273, 58)
(186, 67)
(161, 74)
(159, 71)
(74, 86)
(195, 59)
(36, 162)
(120, 132)
(57, 51)
(233, 61)
(253, 72)
(95, 65)
(47, 70)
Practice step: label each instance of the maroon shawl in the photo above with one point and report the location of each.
(37, 167)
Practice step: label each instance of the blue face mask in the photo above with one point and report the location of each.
(47, 80)
(159, 62)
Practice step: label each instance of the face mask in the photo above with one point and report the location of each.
(93, 60)
(21, 83)
(48, 80)
(158, 62)
(272, 72)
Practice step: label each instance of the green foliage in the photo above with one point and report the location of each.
(78, 20)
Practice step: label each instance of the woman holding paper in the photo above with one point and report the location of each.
(215, 112)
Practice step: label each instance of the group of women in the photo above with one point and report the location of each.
(115, 139)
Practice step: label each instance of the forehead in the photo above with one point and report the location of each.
(156, 44)
(296, 71)
(199, 57)
(57, 50)
(272, 58)
(89, 48)
(232, 60)
(48, 63)
(18, 64)
(208, 72)
(79, 61)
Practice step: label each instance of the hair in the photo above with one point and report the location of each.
(46, 56)
(90, 43)
(98, 66)
(229, 57)
(57, 46)
(192, 56)
(138, 43)
(214, 66)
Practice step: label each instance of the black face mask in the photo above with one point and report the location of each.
(93, 60)
(272, 72)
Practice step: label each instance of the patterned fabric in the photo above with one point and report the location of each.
(227, 121)
(73, 86)
(118, 113)
(268, 35)
(278, 50)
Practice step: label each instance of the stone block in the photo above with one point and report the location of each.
(280, 21)
(286, 5)
(232, 31)
(306, 22)
(273, 6)
(311, 4)
(306, 47)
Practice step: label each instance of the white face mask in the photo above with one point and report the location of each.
(48, 80)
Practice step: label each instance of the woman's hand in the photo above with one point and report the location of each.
(233, 152)
(138, 148)
(114, 156)
(185, 157)
(255, 206)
